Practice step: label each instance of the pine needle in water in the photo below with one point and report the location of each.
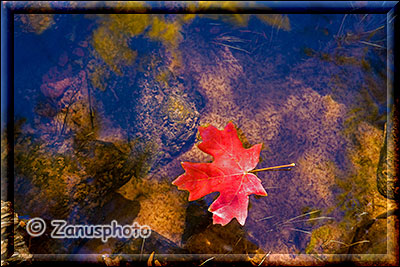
(300, 230)
(312, 219)
(265, 218)
(300, 216)
(233, 47)
(207, 260)
(263, 258)
(372, 44)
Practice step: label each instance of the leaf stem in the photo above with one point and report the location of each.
(275, 168)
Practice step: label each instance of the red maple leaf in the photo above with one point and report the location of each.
(228, 174)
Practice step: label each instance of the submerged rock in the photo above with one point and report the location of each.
(77, 186)
(158, 110)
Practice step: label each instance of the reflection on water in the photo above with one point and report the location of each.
(107, 106)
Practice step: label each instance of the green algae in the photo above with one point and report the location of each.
(319, 237)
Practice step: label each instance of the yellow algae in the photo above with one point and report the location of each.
(105, 46)
(188, 17)
(111, 39)
(233, 6)
(157, 26)
(191, 8)
(238, 19)
(163, 77)
(178, 111)
(276, 20)
(129, 24)
(166, 32)
(114, 51)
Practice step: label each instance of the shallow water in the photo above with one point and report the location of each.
(108, 106)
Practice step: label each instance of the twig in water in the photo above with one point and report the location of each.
(67, 111)
(90, 108)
